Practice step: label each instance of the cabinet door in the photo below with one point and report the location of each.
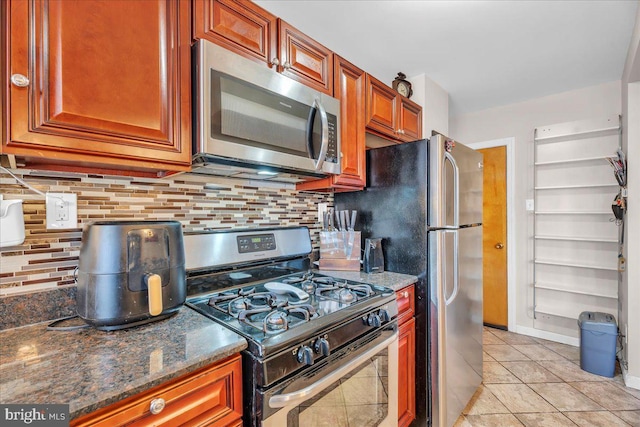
(211, 396)
(350, 90)
(381, 108)
(238, 25)
(410, 123)
(406, 373)
(304, 59)
(109, 83)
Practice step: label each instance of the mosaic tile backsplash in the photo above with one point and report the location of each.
(47, 258)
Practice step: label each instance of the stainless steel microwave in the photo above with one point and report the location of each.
(253, 122)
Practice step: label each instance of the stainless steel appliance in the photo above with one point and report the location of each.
(425, 198)
(130, 273)
(253, 122)
(313, 340)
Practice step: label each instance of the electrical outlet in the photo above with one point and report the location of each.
(322, 208)
(62, 211)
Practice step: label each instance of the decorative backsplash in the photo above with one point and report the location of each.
(47, 258)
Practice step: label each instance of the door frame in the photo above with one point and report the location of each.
(511, 228)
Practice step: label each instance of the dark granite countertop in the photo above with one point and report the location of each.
(394, 281)
(89, 369)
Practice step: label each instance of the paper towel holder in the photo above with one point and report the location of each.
(11, 223)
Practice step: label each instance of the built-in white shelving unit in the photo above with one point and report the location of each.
(575, 240)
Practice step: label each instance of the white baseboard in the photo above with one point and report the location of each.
(545, 335)
(630, 380)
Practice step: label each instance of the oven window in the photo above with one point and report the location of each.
(360, 398)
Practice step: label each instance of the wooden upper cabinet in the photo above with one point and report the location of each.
(391, 115)
(381, 106)
(305, 60)
(247, 29)
(240, 26)
(350, 90)
(410, 120)
(109, 85)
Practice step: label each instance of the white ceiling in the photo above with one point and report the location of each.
(483, 53)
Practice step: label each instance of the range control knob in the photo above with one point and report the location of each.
(321, 346)
(374, 320)
(384, 315)
(305, 355)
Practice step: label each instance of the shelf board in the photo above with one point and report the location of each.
(558, 288)
(571, 264)
(560, 162)
(551, 312)
(577, 239)
(569, 187)
(573, 213)
(576, 128)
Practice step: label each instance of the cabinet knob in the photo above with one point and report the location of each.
(499, 246)
(20, 80)
(405, 294)
(287, 65)
(400, 132)
(275, 61)
(157, 405)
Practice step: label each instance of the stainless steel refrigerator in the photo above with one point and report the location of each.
(424, 198)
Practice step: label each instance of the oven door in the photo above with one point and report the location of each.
(357, 386)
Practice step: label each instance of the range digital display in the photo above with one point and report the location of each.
(256, 243)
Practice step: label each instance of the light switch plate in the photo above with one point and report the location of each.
(530, 206)
(62, 211)
(322, 208)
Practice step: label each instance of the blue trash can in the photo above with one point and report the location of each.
(598, 337)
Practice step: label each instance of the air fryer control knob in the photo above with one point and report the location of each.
(321, 346)
(374, 320)
(384, 315)
(305, 355)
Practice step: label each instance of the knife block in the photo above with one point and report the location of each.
(340, 250)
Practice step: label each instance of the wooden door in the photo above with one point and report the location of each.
(238, 25)
(304, 59)
(109, 83)
(494, 223)
(410, 123)
(381, 108)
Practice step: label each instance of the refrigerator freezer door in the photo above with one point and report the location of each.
(455, 184)
(456, 297)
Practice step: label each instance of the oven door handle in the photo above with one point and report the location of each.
(297, 397)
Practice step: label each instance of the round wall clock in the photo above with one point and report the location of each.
(402, 86)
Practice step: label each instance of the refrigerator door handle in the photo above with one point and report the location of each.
(456, 189)
(456, 271)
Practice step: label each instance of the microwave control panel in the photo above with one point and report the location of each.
(256, 243)
(332, 150)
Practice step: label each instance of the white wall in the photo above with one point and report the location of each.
(435, 105)
(519, 121)
(629, 291)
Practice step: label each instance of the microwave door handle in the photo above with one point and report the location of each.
(325, 134)
(310, 121)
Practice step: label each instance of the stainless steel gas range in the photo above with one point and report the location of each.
(314, 341)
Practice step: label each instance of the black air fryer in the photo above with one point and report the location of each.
(130, 273)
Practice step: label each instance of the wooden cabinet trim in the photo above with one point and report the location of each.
(185, 398)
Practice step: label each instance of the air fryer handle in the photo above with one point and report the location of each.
(154, 288)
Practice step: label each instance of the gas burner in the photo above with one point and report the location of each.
(235, 302)
(308, 286)
(276, 320)
(345, 295)
(297, 279)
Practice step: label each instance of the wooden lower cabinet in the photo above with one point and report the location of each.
(406, 356)
(211, 396)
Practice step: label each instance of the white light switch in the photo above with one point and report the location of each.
(62, 211)
(529, 204)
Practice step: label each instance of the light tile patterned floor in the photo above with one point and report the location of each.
(537, 383)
